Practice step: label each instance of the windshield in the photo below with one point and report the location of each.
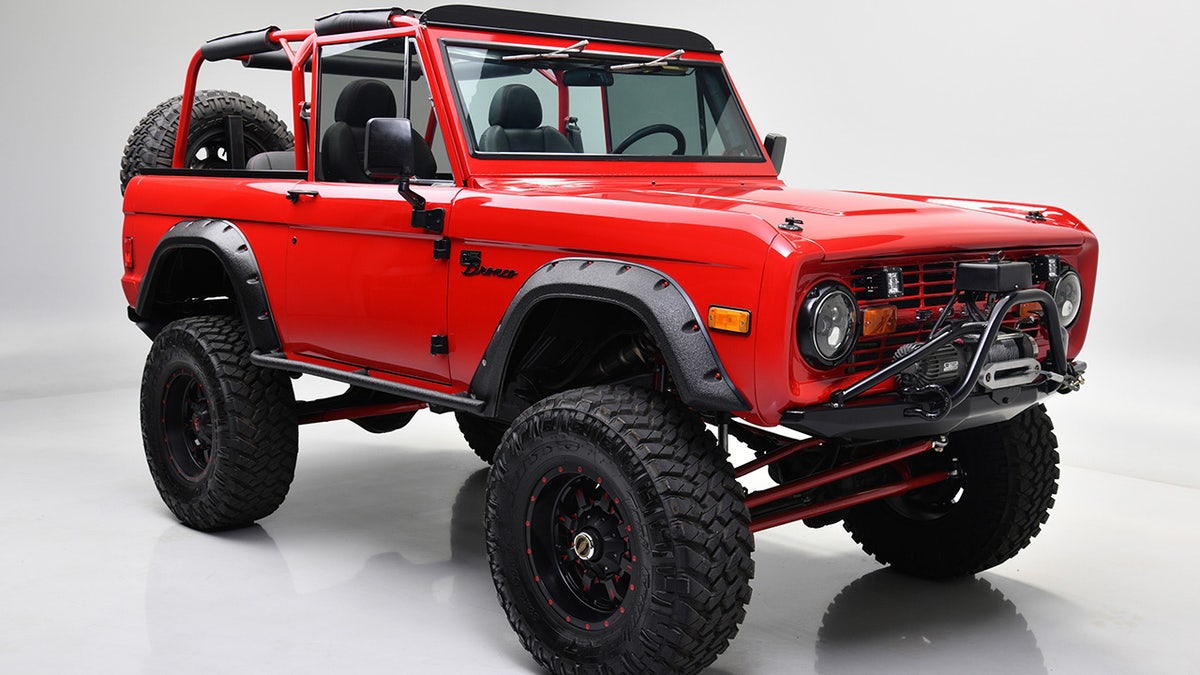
(570, 103)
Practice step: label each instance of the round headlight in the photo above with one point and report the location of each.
(1068, 296)
(828, 324)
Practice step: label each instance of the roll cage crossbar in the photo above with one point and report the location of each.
(276, 49)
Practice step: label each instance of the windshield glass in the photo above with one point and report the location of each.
(574, 104)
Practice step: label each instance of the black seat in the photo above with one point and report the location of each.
(343, 145)
(275, 160)
(516, 118)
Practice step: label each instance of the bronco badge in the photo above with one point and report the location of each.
(472, 263)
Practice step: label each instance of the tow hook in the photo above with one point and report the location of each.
(1073, 380)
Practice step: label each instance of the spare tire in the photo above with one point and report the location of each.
(152, 143)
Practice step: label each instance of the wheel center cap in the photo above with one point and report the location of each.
(584, 545)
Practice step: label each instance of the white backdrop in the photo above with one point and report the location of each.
(1088, 105)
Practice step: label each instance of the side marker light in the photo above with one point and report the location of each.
(728, 319)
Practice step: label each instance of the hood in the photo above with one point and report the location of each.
(854, 225)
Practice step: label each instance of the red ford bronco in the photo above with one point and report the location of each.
(568, 233)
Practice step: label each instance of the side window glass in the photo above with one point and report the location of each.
(361, 81)
(424, 119)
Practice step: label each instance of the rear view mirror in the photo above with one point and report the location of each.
(587, 77)
(388, 148)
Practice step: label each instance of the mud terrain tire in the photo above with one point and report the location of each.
(219, 433)
(1008, 478)
(152, 143)
(618, 538)
(481, 433)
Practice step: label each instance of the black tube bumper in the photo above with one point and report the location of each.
(895, 416)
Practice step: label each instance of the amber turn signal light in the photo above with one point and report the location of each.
(1029, 309)
(728, 319)
(879, 320)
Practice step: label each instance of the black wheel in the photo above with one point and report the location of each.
(219, 433)
(1004, 477)
(481, 433)
(650, 130)
(618, 538)
(152, 143)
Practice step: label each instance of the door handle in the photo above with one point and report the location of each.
(294, 195)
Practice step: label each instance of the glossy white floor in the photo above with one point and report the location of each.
(376, 564)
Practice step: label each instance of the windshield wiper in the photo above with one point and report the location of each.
(563, 53)
(653, 63)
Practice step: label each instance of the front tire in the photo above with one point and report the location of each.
(220, 433)
(617, 535)
(996, 504)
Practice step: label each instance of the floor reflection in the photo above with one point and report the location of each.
(213, 597)
(388, 572)
(885, 620)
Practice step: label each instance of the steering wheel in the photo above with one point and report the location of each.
(650, 130)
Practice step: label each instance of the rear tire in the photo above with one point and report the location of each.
(1007, 477)
(152, 143)
(481, 433)
(220, 433)
(618, 538)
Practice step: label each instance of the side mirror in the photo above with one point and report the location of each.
(388, 153)
(388, 148)
(776, 145)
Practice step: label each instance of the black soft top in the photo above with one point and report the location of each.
(531, 23)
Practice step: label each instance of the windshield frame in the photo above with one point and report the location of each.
(736, 164)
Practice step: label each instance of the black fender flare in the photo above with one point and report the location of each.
(649, 294)
(225, 241)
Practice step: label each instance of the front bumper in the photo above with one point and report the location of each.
(968, 405)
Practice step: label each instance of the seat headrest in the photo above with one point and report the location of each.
(362, 100)
(515, 106)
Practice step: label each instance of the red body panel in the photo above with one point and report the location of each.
(352, 284)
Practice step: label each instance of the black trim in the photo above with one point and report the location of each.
(362, 378)
(240, 44)
(531, 23)
(227, 243)
(655, 298)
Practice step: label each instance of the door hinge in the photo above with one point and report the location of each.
(432, 220)
(441, 249)
(439, 344)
